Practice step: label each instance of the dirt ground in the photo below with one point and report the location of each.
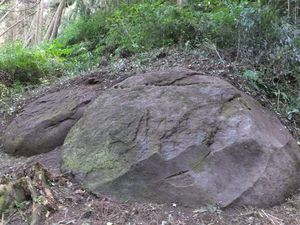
(76, 206)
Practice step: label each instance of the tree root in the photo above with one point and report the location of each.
(32, 185)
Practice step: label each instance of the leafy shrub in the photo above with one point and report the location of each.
(86, 29)
(260, 37)
(28, 65)
(139, 27)
(132, 27)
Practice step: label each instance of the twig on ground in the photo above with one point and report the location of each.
(274, 220)
(9, 218)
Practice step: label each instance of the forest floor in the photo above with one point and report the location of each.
(76, 206)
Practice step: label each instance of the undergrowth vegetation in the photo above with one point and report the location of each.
(257, 35)
(29, 66)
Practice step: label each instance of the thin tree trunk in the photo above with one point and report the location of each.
(27, 41)
(289, 8)
(50, 27)
(180, 38)
(30, 34)
(39, 23)
(296, 12)
(57, 22)
(24, 25)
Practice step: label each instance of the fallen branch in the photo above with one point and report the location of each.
(15, 24)
(273, 219)
(2, 2)
(4, 16)
(20, 10)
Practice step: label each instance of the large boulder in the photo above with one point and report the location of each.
(177, 136)
(44, 123)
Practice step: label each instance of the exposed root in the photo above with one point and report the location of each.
(32, 185)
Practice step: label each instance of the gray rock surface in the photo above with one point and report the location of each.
(176, 136)
(44, 123)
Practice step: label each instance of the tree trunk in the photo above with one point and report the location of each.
(180, 38)
(50, 27)
(57, 21)
(39, 23)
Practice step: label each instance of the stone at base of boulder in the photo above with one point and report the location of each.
(44, 123)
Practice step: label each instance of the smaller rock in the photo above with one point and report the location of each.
(44, 123)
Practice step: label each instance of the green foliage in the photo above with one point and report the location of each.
(253, 76)
(140, 27)
(28, 65)
(132, 28)
(261, 38)
(86, 29)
